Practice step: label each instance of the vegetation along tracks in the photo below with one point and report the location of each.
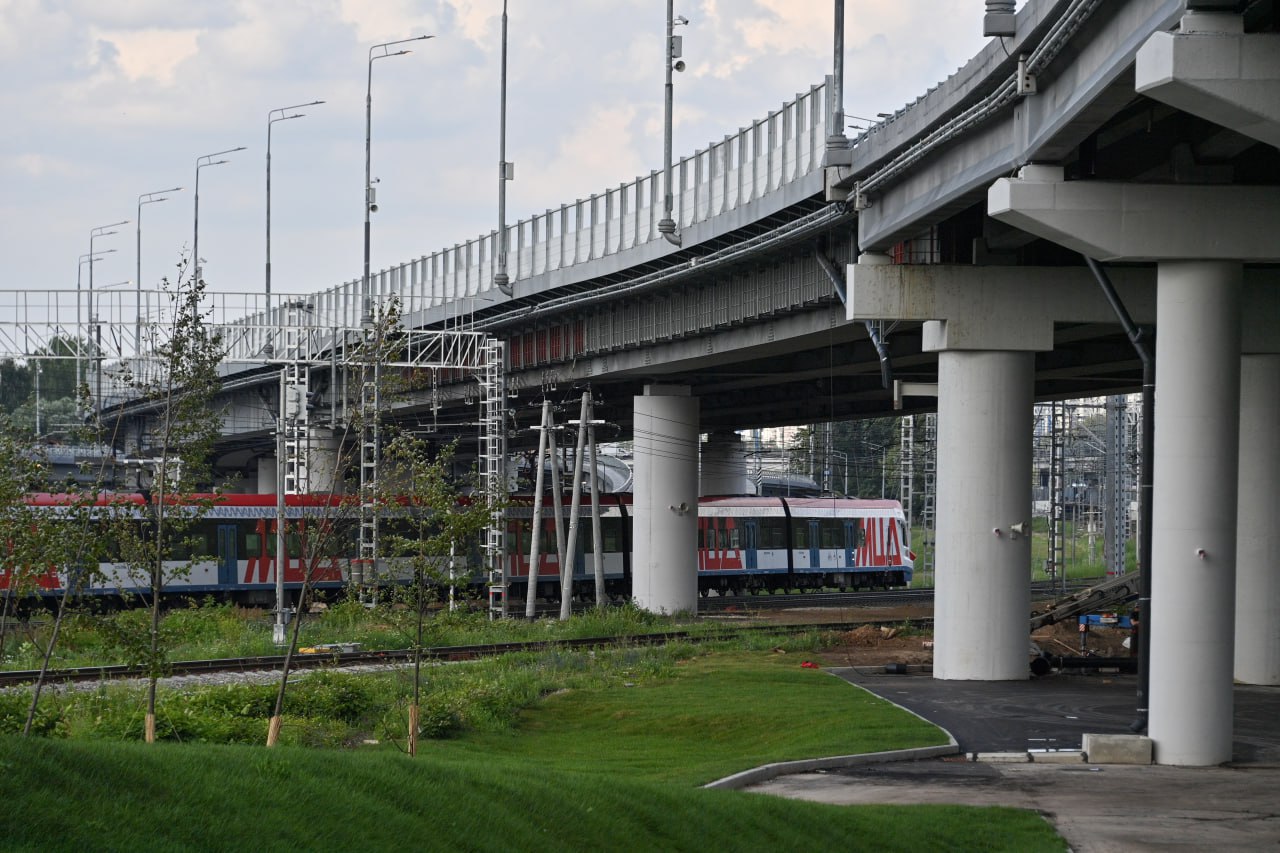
(335, 657)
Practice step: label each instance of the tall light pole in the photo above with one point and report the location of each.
(674, 50)
(94, 234)
(84, 259)
(145, 198)
(202, 161)
(280, 114)
(378, 51)
(837, 151)
(506, 171)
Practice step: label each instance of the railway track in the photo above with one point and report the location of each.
(336, 659)
(883, 598)
(713, 604)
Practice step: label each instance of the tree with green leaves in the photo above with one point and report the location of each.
(57, 545)
(178, 383)
(429, 525)
(21, 470)
(326, 534)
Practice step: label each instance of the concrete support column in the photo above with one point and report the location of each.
(723, 469)
(1257, 644)
(324, 461)
(984, 488)
(266, 475)
(1194, 515)
(664, 560)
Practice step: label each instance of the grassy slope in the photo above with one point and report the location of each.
(608, 768)
(113, 796)
(722, 714)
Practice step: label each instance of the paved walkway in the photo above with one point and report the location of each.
(1095, 808)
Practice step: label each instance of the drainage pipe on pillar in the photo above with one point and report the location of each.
(882, 348)
(1139, 337)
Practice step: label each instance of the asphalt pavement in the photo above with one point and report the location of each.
(1094, 807)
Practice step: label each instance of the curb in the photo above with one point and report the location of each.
(765, 772)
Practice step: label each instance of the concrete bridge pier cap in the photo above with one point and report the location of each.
(985, 329)
(1199, 236)
(665, 504)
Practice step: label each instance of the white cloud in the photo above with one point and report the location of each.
(149, 53)
(108, 100)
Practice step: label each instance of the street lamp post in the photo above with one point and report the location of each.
(370, 203)
(284, 114)
(202, 161)
(837, 149)
(145, 198)
(673, 52)
(506, 171)
(94, 234)
(280, 114)
(84, 259)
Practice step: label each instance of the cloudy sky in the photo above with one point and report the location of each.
(104, 101)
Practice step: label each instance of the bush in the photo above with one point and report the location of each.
(14, 704)
(332, 695)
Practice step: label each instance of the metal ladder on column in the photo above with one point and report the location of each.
(364, 569)
(906, 463)
(1132, 470)
(493, 470)
(297, 480)
(927, 513)
(1117, 523)
(1055, 566)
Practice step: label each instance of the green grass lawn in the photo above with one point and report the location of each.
(720, 714)
(604, 767)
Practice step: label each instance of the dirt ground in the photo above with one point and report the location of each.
(896, 642)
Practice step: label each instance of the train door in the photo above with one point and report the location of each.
(228, 555)
(750, 545)
(815, 543)
(850, 542)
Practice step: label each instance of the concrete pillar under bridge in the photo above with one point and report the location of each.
(665, 504)
(267, 473)
(986, 323)
(983, 594)
(722, 469)
(324, 461)
(1257, 641)
(1200, 235)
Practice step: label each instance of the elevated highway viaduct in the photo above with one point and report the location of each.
(944, 246)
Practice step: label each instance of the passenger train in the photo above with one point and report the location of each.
(745, 544)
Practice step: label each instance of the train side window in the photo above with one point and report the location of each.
(252, 544)
(610, 530)
(735, 538)
(831, 532)
(800, 535)
(773, 534)
(860, 537)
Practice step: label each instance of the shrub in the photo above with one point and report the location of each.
(49, 720)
